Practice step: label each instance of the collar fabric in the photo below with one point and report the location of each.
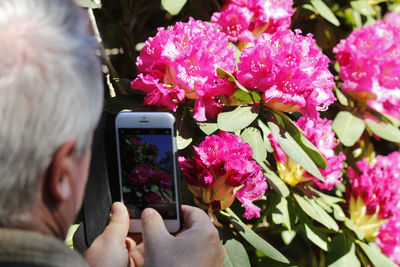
(18, 246)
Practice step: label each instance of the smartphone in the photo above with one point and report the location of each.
(147, 163)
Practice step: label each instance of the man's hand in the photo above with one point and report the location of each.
(198, 244)
(113, 247)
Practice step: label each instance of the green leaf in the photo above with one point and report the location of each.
(237, 52)
(287, 236)
(375, 256)
(324, 205)
(295, 151)
(384, 130)
(173, 6)
(87, 4)
(266, 131)
(370, 20)
(316, 237)
(324, 215)
(224, 74)
(336, 66)
(247, 97)
(208, 128)
(182, 142)
(70, 234)
(237, 119)
(363, 7)
(357, 18)
(236, 255)
(330, 200)
(325, 12)
(255, 240)
(358, 231)
(348, 128)
(273, 180)
(309, 7)
(338, 213)
(341, 97)
(312, 209)
(253, 137)
(301, 140)
(282, 216)
(312, 233)
(342, 253)
(395, 122)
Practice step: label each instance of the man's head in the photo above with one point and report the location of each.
(50, 99)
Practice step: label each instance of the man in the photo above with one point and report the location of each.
(51, 97)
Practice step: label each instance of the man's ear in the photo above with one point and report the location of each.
(61, 171)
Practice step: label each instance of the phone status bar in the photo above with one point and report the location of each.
(145, 131)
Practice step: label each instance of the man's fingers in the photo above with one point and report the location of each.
(130, 244)
(137, 237)
(137, 255)
(119, 222)
(194, 216)
(153, 228)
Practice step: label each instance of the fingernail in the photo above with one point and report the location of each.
(117, 208)
(147, 212)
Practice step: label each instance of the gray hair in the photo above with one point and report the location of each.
(50, 92)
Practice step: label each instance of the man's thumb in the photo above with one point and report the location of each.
(119, 222)
(153, 228)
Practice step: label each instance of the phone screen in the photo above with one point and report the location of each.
(147, 171)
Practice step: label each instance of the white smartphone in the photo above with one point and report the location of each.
(148, 169)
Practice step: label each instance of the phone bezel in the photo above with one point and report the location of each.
(149, 120)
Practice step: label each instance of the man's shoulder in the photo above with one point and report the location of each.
(13, 264)
(20, 248)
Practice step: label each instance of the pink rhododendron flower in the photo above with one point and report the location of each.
(320, 133)
(162, 178)
(393, 18)
(141, 175)
(378, 184)
(388, 239)
(220, 164)
(290, 71)
(180, 63)
(279, 154)
(374, 194)
(146, 176)
(369, 66)
(242, 20)
(235, 22)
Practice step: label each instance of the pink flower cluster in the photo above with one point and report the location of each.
(290, 71)
(370, 66)
(320, 133)
(145, 176)
(393, 18)
(244, 20)
(220, 164)
(388, 239)
(378, 185)
(180, 63)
